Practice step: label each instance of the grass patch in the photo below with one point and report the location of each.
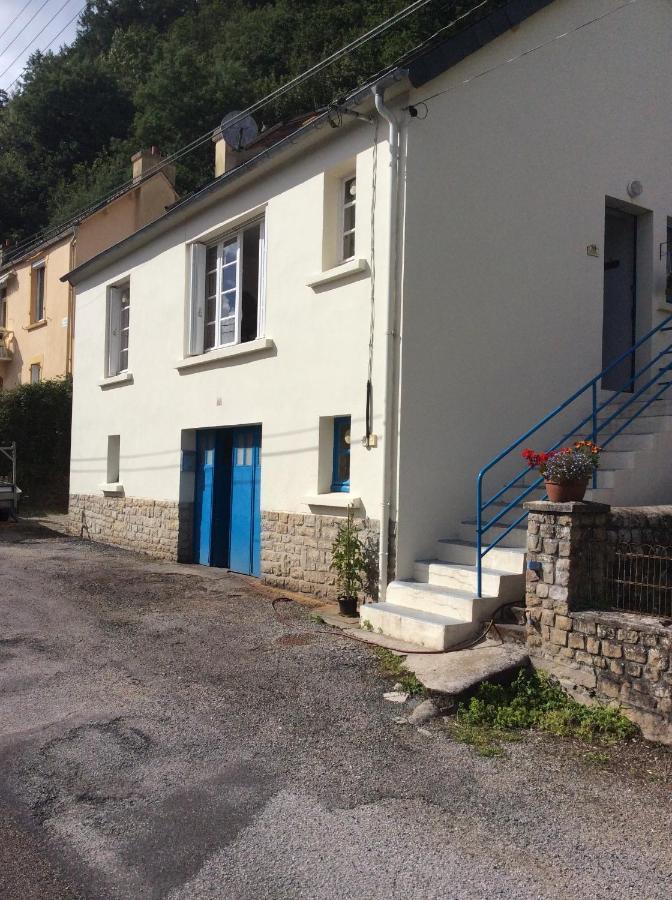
(393, 666)
(315, 619)
(535, 700)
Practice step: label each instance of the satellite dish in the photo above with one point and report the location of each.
(238, 131)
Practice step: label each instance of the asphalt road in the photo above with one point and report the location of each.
(163, 734)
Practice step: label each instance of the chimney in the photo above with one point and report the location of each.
(145, 160)
(226, 157)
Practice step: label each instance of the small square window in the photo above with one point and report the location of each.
(340, 478)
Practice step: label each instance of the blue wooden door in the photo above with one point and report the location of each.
(204, 497)
(245, 517)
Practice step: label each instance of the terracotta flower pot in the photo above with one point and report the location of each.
(347, 606)
(565, 492)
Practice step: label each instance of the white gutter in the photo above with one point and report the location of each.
(390, 326)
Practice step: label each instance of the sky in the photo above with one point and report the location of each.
(23, 36)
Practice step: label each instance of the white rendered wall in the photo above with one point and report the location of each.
(506, 186)
(319, 367)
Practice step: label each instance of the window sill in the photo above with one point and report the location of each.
(221, 356)
(34, 325)
(339, 273)
(335, 500)
(114, 487)
(115, 380)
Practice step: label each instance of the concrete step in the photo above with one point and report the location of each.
(632, 441)
(506, 559)
(428, 630)
(514, 539)
(642, 425)
(615, 458)
(495, 583)
(457, 604)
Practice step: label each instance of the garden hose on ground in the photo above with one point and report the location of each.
(465, 645)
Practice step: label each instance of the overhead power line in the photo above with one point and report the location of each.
(18, 34)
(16, 18)
(30, 43)
(28, 244)
(36, 239)
(51, 42)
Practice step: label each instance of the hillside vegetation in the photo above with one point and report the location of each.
(163, 72)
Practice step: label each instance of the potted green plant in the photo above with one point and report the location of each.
(567, 470)
(349, 563)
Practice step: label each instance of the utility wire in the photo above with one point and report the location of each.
(52, 41)
(18, 35)
(384, 26)
(524, 53)
(30, 43)
(39, 237)
(15, 19)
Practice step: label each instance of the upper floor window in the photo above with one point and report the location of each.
(37, 291)
(227, 290)
(348, 207)
(340, 478)
(3, 306)
(118, 325)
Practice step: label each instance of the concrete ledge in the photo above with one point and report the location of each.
(225, 354)
(336, 501)
(545, 506)
(338, 273)
(116, 380)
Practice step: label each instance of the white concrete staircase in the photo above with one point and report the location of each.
(439, 610)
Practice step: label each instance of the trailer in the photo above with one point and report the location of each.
(10, 492)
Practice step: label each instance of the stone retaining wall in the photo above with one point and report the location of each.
(159, 528)
(597, 653)
(295, 548)
(296, 552)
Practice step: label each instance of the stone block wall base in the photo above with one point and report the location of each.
(159, 528)
(296, 552)
(581, 683)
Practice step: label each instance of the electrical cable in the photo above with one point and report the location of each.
(30, 43)
(523, 54)
(384, 26)
(52, 41)
(464, 645)
(372, 266)
(19, 33)
(15, 19)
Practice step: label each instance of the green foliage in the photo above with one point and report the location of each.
(393, 666)
(163, 72)
(37, 417)
(348, 557)
(535, 700)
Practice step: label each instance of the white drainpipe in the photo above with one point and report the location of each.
(390, 325)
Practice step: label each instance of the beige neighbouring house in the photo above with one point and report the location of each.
(366, 310)
(36, 315)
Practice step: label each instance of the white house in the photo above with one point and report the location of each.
(367, 314)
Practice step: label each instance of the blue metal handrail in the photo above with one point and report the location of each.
(596, 427)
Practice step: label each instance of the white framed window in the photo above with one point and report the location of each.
(348, 215)
(35, 373)
(37, 285)
(227, 289)
(118, 328)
